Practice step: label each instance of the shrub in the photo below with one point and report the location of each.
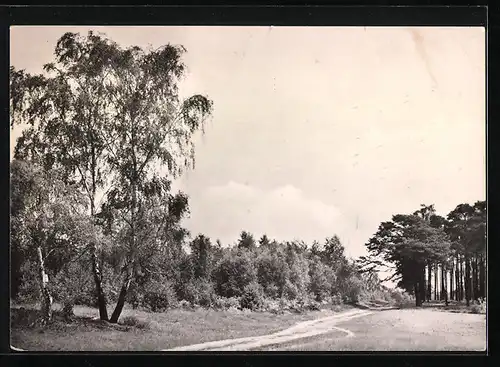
(290, 291)
(253, 297)
(199, 292)
(218, 303)
(283, 304)
(320, 279)
(353, 287)
(298, 274)
(313, 305)
(29, 288)
(159, 295)
(225, 303)
(185, 304)
(234, 310)
(135, 322)
(233, 273)
(336, 299)
(401, 299)
(232, 302)
(478, 307)
(272, 272)
(273, 306)
(271, 290)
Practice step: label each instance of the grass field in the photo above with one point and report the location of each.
(164, 330)
(401, 330)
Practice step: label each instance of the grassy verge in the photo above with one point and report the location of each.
(457, 307)
(145, 331)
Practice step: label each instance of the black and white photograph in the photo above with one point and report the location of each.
(248, 188)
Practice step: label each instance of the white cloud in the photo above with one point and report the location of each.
(284, 213)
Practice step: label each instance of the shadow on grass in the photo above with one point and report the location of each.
(29, 318)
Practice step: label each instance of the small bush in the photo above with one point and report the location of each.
(353, 287)
(199, 292)
(253, 297)
(271, 290)
(290, 291)
(273, 306)
(159, 296)
(225, 303)
(321, 277)
(218, 303)
(135, 322)
(234, 310)
(402, 299)
(336, 299)
(284, 304)
(28, 288)
(313, 305)
(234, 272)
(185, 304)
(478, 307)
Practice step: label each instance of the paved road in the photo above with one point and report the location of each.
(302, 330)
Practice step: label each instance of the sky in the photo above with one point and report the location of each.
(318, 131)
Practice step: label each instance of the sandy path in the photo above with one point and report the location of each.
(299, 331)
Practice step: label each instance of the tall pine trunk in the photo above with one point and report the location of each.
(444, 291)
(461, 280)
(467, 280)
(452, 275)
(475, 292)
(46, 297)
(429, 282)
(482, 278)
(421, 284)
(418, 300)
(485, 277)
(435, 282)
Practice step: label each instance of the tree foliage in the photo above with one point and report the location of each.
(112, 121)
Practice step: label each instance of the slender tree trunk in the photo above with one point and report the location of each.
(421, 284)
(101, 299)
(435, 283)
(444, 291)
(476, 279)
(441, 285)
(461, 280)
(451, 279)
(126, 284)
(418, 301)
(485, 265)
(46, 297)
(96, 269)
(467, 281)
(429, 282)
(482, 287)
(456, 279)
(121, 301)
